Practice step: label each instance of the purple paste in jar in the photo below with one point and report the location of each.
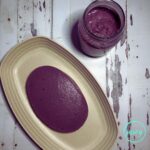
(101, 27)
(102, 22)
(56, 99)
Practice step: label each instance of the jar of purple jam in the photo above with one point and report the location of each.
(101, 27)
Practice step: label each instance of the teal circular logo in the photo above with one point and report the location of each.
(136, 130)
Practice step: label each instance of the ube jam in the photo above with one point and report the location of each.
(56, 99)
(101, 27)
(102, 22)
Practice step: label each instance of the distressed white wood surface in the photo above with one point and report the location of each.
(124, 73)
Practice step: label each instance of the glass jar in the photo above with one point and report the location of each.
(101, 27)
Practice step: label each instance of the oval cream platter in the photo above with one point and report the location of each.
(99, 132)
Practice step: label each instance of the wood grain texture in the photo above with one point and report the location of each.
(138, 63)
(8, 38)
(25, 29)
(123, 73)
(24, 19)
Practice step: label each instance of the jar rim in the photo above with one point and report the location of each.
(109, 4)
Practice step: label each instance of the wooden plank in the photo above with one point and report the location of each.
(62, 33)
(8, 29)
(34, 18)
(8, 38)
(7, 125)
(116, 84)
(25, 30)
(17, 24)
(42, 17)
(139, 64)
(25, 20)
(134, 70)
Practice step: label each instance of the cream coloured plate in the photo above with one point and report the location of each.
(98, 132)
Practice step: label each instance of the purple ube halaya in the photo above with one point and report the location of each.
(102, 22)
(101, 27)
(56, 99)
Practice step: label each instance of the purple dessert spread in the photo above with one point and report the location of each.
(102, 22)
(56, 99)
(101, 27)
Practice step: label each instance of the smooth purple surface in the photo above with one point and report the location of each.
(102, 22)
(56, 99)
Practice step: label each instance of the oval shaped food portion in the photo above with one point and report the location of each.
(56, 99)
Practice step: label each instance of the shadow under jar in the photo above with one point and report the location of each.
(101, 27)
